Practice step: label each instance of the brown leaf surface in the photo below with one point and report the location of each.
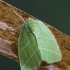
(9, 38)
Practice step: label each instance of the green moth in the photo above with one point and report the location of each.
(36, 43)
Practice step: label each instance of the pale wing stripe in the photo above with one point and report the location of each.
(51, 51)
(29, 58)
(24, 47)
(21, 43)
(50, 39)
(45, 38)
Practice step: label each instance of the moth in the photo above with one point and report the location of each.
(37, 43)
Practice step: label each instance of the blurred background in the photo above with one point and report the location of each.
(53, 12)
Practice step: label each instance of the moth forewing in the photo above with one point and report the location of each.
(29, 54)
(46, 41)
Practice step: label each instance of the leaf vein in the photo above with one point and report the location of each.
(46, 38)
(50, 51)
(29, 58)
(24, 47)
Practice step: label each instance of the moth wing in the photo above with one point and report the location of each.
(29, 54)
(47, 43)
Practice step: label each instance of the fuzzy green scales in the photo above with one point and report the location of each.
(37, 43)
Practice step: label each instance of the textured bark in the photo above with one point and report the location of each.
(9, 37)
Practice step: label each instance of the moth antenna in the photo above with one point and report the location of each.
(19, 27)
(19, 17)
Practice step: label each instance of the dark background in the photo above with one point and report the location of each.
(53, 12)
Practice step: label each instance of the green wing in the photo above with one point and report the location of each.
(36, 43)
(46, 41)
(29, 54)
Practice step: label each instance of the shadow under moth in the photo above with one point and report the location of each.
(36, 43)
